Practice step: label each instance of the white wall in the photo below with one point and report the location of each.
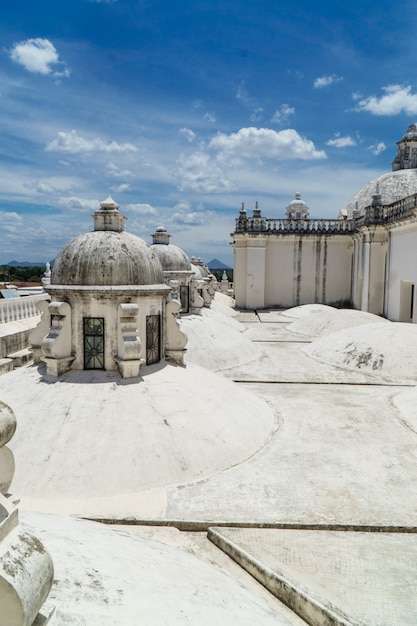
(402, 266)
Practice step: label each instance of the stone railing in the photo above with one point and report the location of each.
(270, 226)
(24, 307)
(399, 210)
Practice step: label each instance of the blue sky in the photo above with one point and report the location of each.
(182, 110)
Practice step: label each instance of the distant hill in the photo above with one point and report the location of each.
(27, 263)
(215, 264)
(24, 264)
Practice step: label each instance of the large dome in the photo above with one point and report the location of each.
(393, 186)
(107, 256)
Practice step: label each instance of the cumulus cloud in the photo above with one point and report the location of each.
(141, 209)
(266, 143)
(71, 143)
(39, 56)
(341, 142)
(325, 81)
(395, 99)
(377, 148)
(282, 114)
(184, 215)
(73, 203)
(188, 134)
(200, 173)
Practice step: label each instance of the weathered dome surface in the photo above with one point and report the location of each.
(305, 310)
(105, 258)
(130, 442)
(105, 576)
(388, 350)
(325, 322)
(172, 258)
(393, 186)
(216, 340)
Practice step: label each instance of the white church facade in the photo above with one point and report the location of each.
(366, 259)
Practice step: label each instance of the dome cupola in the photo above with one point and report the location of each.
(297, 209)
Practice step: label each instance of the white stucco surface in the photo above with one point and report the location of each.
(387, 350)
(305, 310)
(216, 340)
(363, 578)
(325, 322)
(105, 577)
(89, 442)
(332, 443)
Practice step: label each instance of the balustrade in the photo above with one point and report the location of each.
(267, 226)
(15, 309)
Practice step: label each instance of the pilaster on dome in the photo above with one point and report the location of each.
(161, 236)
(108, 216)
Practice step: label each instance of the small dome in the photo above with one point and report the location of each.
(171, 257)
(107, 256)
(297, 202)
(297, 208)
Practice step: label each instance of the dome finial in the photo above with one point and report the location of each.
(108, 216)
(109, 203)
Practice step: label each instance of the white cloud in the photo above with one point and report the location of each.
(257, 114)
(121, 188)
(11, 222)
(243, 95)
(141, 209)
(396, 99)
(74, 203)
(341, 142)
(209, 116)
(71, 143)
(282, 114)
(200, 173)
(184, 215)
(39, 56)
(115, 172)
(41, 187)
(267, 143)
(325, 81)
(377, 148)
(188, 134)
